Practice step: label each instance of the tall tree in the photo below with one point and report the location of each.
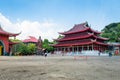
(47, 45)
(112, 31)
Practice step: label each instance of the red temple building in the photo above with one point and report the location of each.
(30, 39)
(5, 44)
(81, 38)
(37, 42)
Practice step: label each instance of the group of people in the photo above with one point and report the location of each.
(110, 53)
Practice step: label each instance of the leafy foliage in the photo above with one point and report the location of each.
(15, 40)
(112, 31)
(25, 49)
(29, 49)
(47, 45)
(60, 36)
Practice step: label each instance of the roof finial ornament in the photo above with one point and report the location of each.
(86, 24)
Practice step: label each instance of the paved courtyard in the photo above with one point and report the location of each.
(59, 68)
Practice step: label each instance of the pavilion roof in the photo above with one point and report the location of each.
(3, 32)
(81, 37)
(79, 28)
(81, 43)
(30, 39)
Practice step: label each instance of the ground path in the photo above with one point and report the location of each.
(59, 68)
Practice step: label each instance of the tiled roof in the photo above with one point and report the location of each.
(30, 39)
(75, 37)
(88, 35)
(79, 28)
(79, 44)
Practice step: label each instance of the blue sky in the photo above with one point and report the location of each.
(64, 13)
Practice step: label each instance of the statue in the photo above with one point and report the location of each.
(40, 50)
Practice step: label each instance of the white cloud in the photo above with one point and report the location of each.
(4, 20)
(46, 29)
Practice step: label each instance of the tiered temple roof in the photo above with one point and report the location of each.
(88, 35)
(80, 34)
(80, 28)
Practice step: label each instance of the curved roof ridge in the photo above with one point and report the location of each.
(2, 31)
(77, 28)
(77, 37)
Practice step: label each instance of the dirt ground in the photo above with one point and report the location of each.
(59, 68)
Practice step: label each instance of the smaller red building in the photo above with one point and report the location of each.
(37, 42)
(5, 44)
(30, 39)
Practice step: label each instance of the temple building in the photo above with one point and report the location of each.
(37, 42)
(30, 39)
(81, 38)
(5, 44)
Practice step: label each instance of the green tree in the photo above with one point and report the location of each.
(47, 45)
(25, 49)
(60, 36)
(112, 31)
(31, 48)
(15, 40)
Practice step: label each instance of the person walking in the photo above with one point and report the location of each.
(45, 54)
(110, 54)
(99, 53)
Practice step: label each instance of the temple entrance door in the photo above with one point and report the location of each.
(1, 48)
